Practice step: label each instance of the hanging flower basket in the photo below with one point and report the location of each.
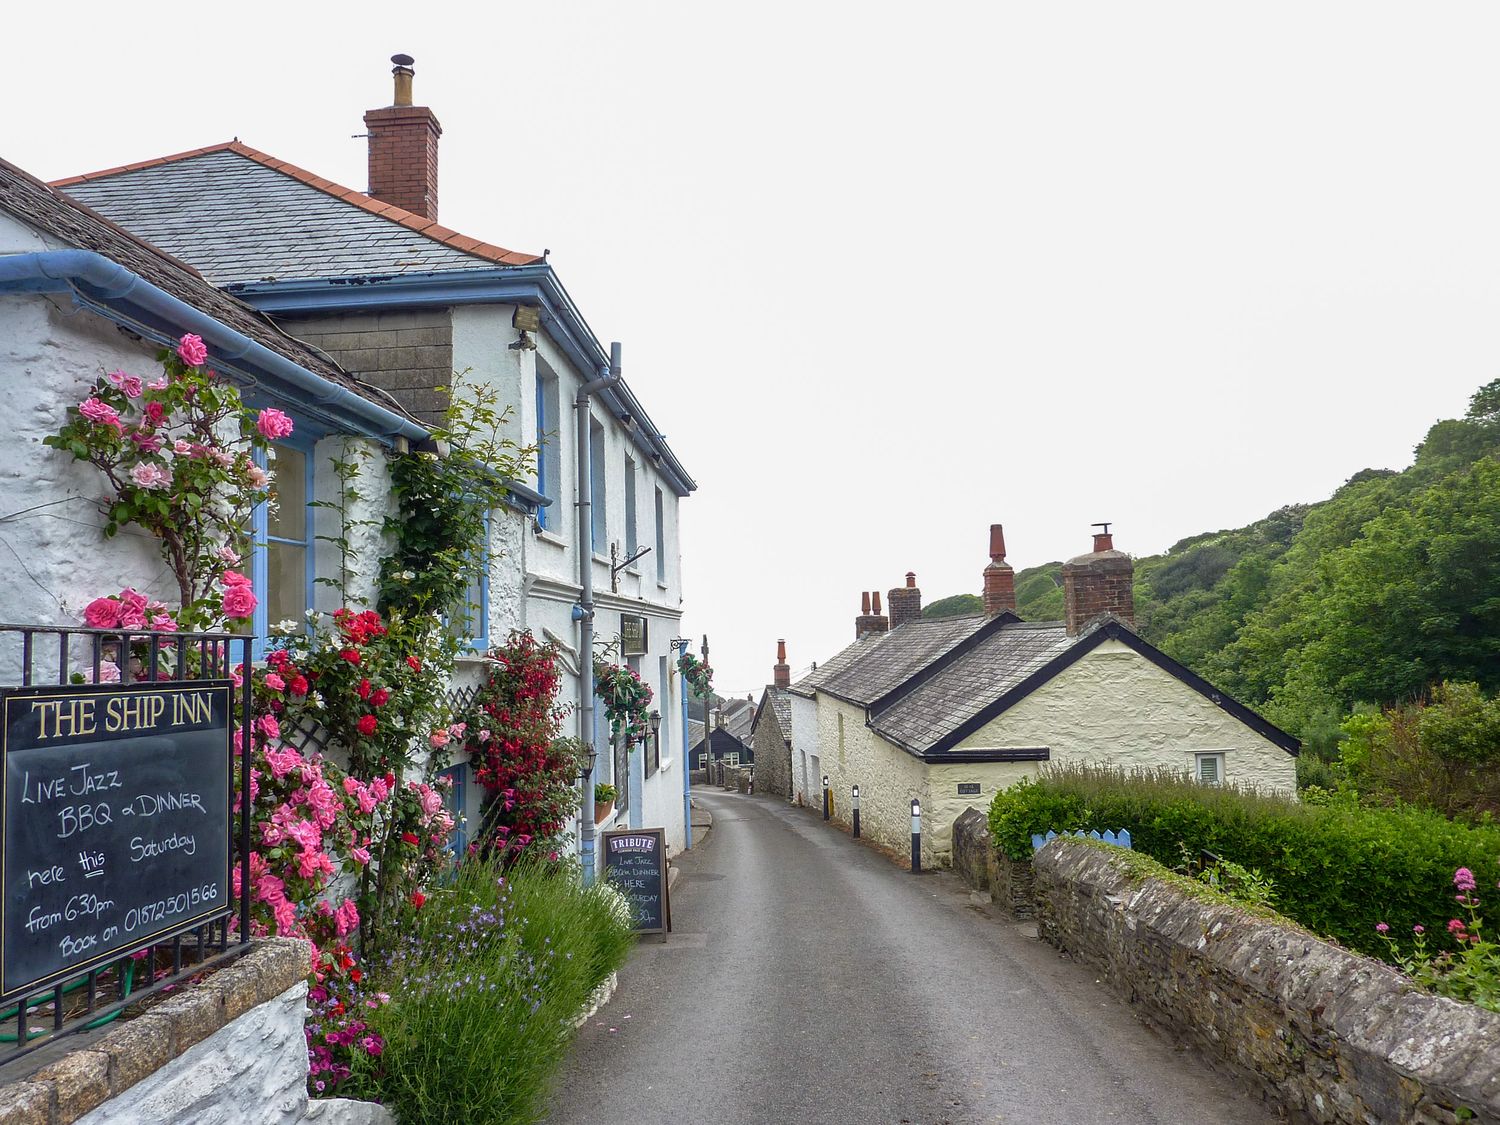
(697, 674)
(626, 701)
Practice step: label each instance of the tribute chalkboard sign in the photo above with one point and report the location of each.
(635, 859)
(116, 823)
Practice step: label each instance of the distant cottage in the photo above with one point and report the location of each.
(951, 710)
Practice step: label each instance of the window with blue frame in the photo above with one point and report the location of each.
(599, 478)
(549, 446)
(282, 565)
(471, 621)
(455, 797)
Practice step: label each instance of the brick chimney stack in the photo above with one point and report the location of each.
(1100, 582)
(781, 671)
(404, 148)
(999, 577)
(905, 602)
(870, 620)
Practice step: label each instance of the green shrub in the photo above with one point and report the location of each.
(1338, 869)
(484, 986)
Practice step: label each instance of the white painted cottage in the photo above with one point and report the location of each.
(950, 710)
(402, 303)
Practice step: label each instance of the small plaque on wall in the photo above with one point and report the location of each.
(633, 639)
(968, 788)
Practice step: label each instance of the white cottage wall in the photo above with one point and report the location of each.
(51, 529)
(805, 786)
(888, 778)
(358, 514)
(1116, 708)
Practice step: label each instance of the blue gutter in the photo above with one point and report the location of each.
(123, 296)
(508, 285)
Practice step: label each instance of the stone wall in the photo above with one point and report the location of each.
(1325, 1034)
(230, 1049)
(773, 755)
(986, 868)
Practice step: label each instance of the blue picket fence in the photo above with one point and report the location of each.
(1120, 839)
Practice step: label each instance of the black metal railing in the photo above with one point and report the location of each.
(39, 656)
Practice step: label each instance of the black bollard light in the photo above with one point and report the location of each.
(916, 836)
(827, 799)
(856, 812)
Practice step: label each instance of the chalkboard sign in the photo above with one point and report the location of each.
(116, 822)
(635, 859)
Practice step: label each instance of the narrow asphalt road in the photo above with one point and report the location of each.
(810, 979)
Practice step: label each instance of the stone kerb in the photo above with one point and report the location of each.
(1327, 1034)
(107, 1065)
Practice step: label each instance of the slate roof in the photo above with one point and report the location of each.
(938, 707)
(240, 215)
(894, 657)
(781, 708)
(833, 665)
(52, 213)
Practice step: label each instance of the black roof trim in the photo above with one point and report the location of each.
(955, 757)
(1113, 630)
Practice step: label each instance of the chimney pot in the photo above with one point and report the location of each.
(997, 542)
(999, 577)
(781, 674)
(875, 602)
(911, 580)
(402, 72)
(864, 603)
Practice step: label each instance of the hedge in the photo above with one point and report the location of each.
(1338, 869)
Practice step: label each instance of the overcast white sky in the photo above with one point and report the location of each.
(885, 273)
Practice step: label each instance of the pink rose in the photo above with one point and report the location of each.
(230, 579)
(239, 601)
(132, 609)
(99, 412)
(156, 413)
(148, 475)
(102, 613)
(158, 384)
(229, 555)
(192, 350)
(146, 441)
(257, 477)
(163, 623)
(274, 682)
(181, 448)
(274, 424)
(438, 738)
(346, 917)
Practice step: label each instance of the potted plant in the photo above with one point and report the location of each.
(604, 800)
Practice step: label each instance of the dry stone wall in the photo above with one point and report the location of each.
(1327, 1035)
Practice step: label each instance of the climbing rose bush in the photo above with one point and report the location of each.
(178, 453)
(511, 729)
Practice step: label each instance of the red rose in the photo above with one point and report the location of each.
(366, 725)
(299, 685)
(356, 975)
(363, 690)
(351, 655)
(381, 697)
(413, 663)
(411, 838)
(417, 899)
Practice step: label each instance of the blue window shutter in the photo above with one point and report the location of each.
(541, 441)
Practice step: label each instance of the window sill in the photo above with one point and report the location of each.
(660, 585)
(547, 535)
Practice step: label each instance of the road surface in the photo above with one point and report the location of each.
(810, 979)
